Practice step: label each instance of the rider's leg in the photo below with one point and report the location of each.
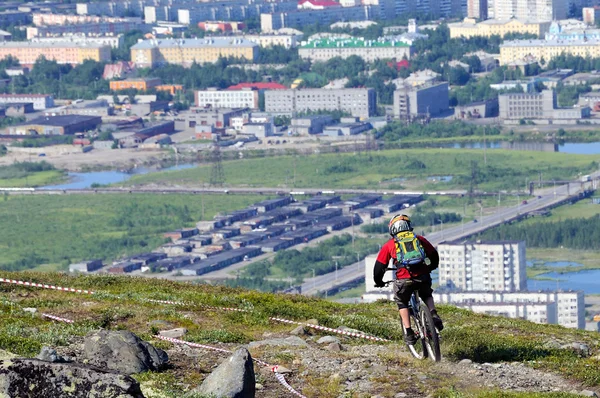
(405, 316)
(430, 303)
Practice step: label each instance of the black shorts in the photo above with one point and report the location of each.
(404, 288)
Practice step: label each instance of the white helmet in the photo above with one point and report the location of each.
(399, 223)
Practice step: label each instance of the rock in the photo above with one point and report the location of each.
(29, 378)
(294, 341)
(299, 331)
(400, 395)
(588, 393)
(160, 324)
(30, 310)
(335, 347)
(6, 355)
(122, 351)
(580, 349)
(174, 333)
(258, 386)
(312, 322)
(552, 344)
(465, 362)
(350, 330)
(234, 378)
(328, 340)
(49, 355)
(283, 370)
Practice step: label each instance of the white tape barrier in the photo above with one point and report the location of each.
(317, 327)
(273, 369)
(57, 318)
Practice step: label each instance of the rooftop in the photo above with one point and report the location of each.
(355, 42)
(321, 3)
(258, 86)
(550, 43)
(194, 43)
(51, 44)
(62, 120)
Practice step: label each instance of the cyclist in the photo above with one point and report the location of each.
(418, 278)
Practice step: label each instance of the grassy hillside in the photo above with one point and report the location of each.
(60, 229)
(467, 335)
(382, 169)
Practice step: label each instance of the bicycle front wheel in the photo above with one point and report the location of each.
(430, 337)
(419, 349)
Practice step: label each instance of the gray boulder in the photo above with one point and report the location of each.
(122, 351)
(49, 355)
(31, 378)
(174, 333)
(581, 349)
(328, 340)
(234, 378)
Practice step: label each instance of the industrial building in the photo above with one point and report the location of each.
(517, 106)
(56, 125)
(411, 102)
(39, 101)
(359, 102)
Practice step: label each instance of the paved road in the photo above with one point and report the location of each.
(549, 198)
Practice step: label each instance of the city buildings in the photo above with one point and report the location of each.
(142, 84)
(299, 18)
(51, 25)
(481, 265)
(221, 26)
(150, 53)
(111, 41)
(538, 10)
(56, 125)
(12, 17)
(517, 106)
(469, 27)
(538, 50)
(39, 101)
(425, 100)
(242, 95)
(230, 10)
(276, 39)
(61, 52)
(571, 32)
(308, 125)
(370, 50)
(477, 9)
(360, 102)
(590, 15)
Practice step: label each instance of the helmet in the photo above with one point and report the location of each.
(399, 223)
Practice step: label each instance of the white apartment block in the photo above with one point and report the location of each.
(270, 40)
(569, 306)
(495, 266)
(39, 101)
(112, 41)
(537, 10)
(244, 98)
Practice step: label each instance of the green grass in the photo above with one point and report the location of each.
(479, 337)
(38, 179)
(49, 232)
(504, 169)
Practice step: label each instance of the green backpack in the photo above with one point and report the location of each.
(409, 251)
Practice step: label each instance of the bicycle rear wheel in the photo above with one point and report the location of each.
(430, 337)
(419, 349)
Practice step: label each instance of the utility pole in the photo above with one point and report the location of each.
(484, 145)
(314, 280)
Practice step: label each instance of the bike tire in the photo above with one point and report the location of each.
(430, 339)
(419, 349)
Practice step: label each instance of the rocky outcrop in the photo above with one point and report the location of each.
(122, 351)
(32, 378)
(234, 378)
(292, 341)
(50, 355)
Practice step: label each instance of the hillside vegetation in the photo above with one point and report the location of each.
(482, 339)
(389, 169)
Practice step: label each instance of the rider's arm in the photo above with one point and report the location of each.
(383, 259)
(430, 252)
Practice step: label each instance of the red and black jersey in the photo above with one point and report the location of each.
(388, 251)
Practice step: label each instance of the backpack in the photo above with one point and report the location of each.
(409, 251)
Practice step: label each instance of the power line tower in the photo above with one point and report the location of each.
(217, 176)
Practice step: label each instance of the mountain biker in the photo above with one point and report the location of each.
(418, 278)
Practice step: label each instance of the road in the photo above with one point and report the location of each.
(546, 198)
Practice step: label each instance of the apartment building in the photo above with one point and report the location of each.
(370, 50)
(117, 8)
(517, 50)
(483, 265)
(566, 308)
(539, 10)
(429, 99)
(469, 27)
(61, 52)
(89, 26)
(542, 105)
(111, 41)
(477, 9)
(39, 101)
(244, 98)
(299, 18)
(359, 102)
(150, 53)
(275, 39)
(221, 26)
(231, 10)
(12, 17)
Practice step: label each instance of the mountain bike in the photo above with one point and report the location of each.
(428, 343)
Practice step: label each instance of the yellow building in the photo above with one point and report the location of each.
(185, 52)
(516, 50)
(470, 28)
(62, 52)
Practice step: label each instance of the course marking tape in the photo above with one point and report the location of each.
(57, 318)
(317, 327)
(273, 369)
